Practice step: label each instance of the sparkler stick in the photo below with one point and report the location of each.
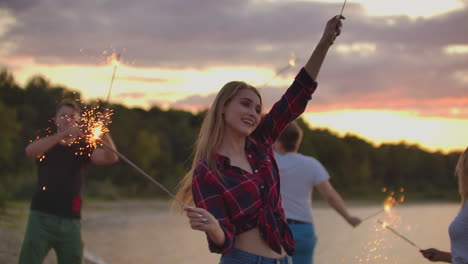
(342, 8)
(372, 215)
(116, 61)
(142, 173)
(385, 225)
(291, 63)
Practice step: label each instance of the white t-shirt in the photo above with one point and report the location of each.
(458, 231)
(299, 174)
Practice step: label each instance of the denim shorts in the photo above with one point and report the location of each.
(237, 256)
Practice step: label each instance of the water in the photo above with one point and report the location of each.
(147, 232)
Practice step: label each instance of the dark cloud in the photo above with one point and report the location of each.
(322, 100)
(170, 33)
(408, 62)
(18, 5)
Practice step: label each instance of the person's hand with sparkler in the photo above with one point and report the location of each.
(105, 155)
(333, 29)
(95, 124)
(335, 200)
(200, 219)
(68, 131)
(354, 221)
(331, 32)
(435, 255)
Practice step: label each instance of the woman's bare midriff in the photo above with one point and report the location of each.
(252, 242)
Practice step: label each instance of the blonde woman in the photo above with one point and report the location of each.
(234, 180)
(458, 229)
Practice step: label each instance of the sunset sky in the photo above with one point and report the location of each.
(398, 72)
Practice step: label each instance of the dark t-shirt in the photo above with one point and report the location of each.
(60, 181)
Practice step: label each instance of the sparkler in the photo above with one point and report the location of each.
(342, 8)
(385, 225)
(94, 124)
(291, 63)
(388, 204)
(115, 59)
(143, 173)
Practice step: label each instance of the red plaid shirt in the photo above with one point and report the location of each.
(242, 200)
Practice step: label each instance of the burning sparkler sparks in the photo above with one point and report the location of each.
(115, 60)
(389, 202)
(292, 60)
(386, 226)
(94, 124)
(291, 63)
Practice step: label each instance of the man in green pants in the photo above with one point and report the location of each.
(54, 220)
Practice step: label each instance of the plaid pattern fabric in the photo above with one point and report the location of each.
(241, 200)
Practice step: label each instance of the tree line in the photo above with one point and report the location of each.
(161, 143)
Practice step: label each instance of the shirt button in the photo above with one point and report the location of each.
(250, 156)
(255, 171)
(262, 186)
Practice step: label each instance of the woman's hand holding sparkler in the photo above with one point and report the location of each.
(435, 255)
(202, 220)
(354, 221)
(332, 30)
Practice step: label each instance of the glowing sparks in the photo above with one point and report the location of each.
(94, 125)
(114, 59)
(391, 201)
(386, 226)
(44, 188)
(108, 56)
(97, 132)
(401, 199)
(292, 60)
(387, 208)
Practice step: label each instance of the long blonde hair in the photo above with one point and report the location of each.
(462, 174)
(210, 136)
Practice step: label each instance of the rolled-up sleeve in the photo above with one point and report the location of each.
(289, 107)
(208, 194)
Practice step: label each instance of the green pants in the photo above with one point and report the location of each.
(45, 232)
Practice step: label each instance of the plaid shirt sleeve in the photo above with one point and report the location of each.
(289, 107)
(208, 192)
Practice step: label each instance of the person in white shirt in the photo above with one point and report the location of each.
(299, 175)
(458, 229)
